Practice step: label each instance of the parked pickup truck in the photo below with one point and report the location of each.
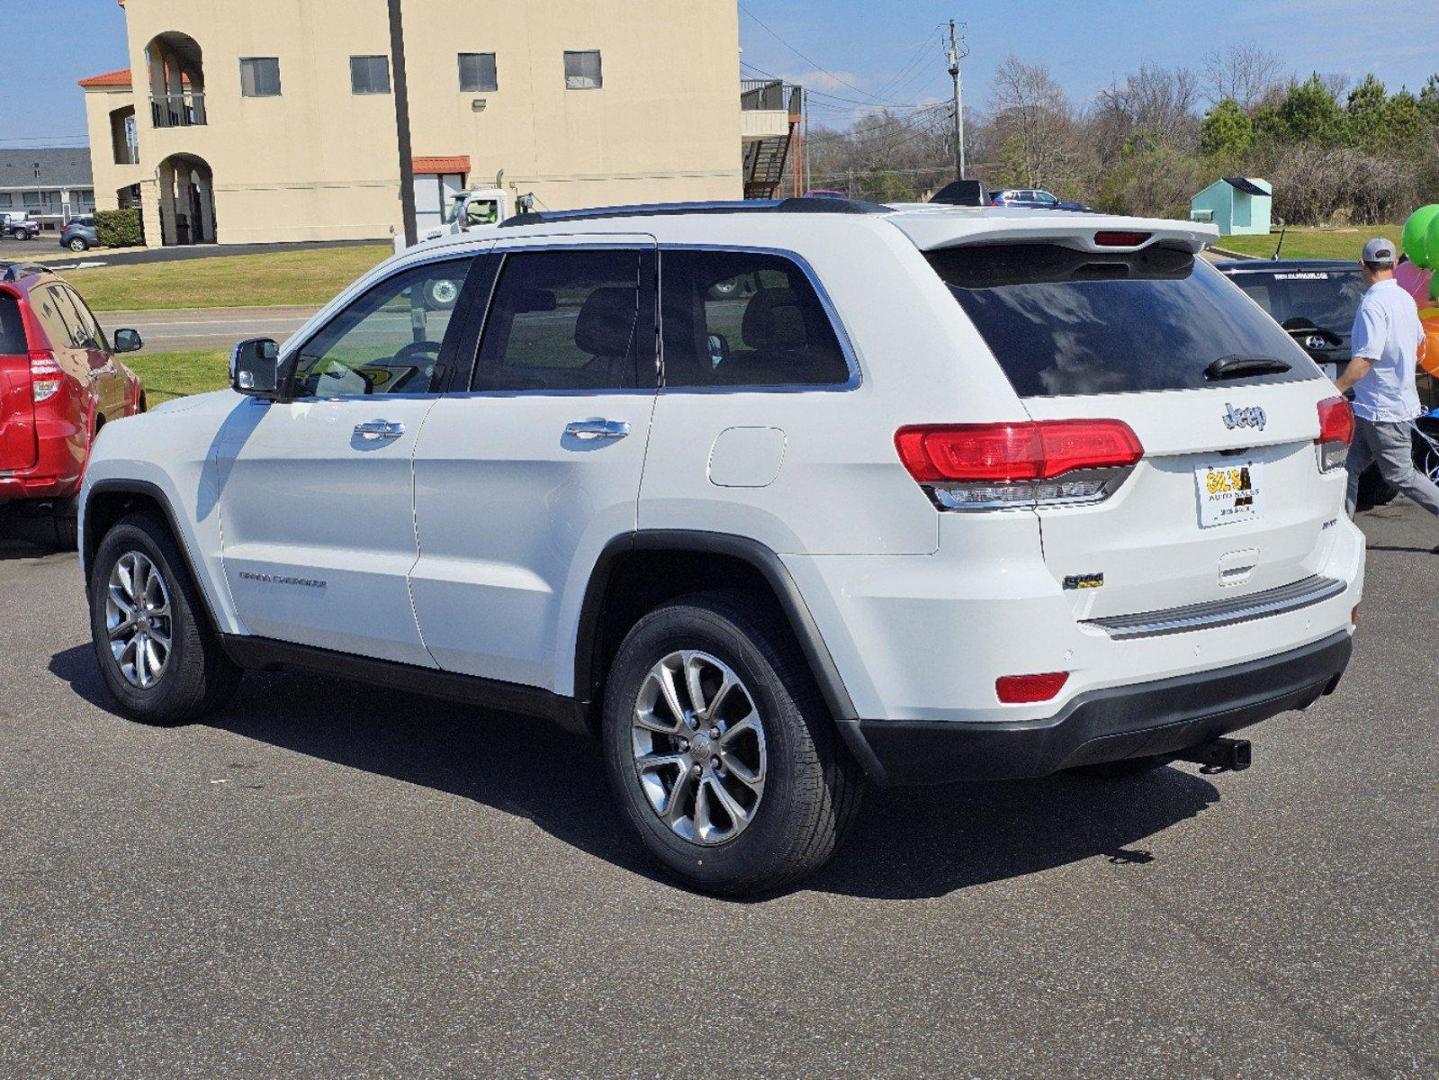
(20, 226)
(483, 206)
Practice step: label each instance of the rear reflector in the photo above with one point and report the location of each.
(1028, 689)
(1120, 239)
(1336, 432)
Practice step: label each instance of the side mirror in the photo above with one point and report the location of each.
(255, 368)
(128, 341)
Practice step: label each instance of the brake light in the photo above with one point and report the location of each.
(1336, 432)
(989, 466)
(1115, 238)
(1028, 689)
(46, 376)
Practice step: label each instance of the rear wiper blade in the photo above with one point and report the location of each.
(1241, 367)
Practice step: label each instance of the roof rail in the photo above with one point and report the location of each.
(14, 271)
(736, 206)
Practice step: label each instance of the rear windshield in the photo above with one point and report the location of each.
(12, 330)
(1298, 299)
(1064, 322)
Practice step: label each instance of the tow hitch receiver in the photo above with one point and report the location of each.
(1220, 755)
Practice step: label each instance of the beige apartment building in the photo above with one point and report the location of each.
(247, 121)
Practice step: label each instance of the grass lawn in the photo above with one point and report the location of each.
(1312, 243)
(288, 277)
(177, 374)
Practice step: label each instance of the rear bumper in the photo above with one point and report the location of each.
(1141, 720)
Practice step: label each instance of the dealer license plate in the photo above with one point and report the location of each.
(1229, 493)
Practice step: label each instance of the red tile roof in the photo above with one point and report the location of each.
(435, 166)
(109, 78)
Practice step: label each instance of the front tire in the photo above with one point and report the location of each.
(159, 658)
(719, 749)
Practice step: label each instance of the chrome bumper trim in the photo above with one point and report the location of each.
(1213, 613)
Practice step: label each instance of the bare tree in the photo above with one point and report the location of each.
(1245, 73)
(1156, 102)
(1034, 125)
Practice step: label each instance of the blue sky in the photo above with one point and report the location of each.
(859, 49)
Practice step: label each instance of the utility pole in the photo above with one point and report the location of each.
(402, 124)
(955, 56)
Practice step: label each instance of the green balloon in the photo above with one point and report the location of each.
(1421, 237)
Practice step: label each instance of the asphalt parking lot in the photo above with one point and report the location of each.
(338, 881)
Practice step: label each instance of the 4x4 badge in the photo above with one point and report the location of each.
(1252, 416)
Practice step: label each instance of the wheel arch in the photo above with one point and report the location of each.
(107, 501)
(637, 572)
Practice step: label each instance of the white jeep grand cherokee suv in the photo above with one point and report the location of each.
(778, 499)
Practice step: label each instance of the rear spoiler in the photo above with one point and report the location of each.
(934, 231)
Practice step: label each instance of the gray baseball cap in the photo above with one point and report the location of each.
(1379, 252)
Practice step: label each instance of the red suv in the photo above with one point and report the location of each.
(59, 384)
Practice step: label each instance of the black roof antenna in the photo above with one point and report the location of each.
(1283, 228)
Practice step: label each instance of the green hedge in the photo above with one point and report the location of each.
(119, 228)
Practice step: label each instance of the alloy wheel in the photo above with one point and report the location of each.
(699, 747)
(138, 622)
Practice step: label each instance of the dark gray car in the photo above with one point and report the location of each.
(79, 234)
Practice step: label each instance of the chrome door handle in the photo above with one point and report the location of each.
(379, 429)
(597, 428)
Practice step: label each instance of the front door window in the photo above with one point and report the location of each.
(389, 341)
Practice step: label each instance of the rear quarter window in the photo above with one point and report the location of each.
(1064, 322)
(12, 328)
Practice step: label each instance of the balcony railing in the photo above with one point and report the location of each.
(186, 109)
(769, 95)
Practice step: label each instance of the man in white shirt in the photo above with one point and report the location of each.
(1386, 341)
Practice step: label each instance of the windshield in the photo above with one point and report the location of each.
(1326, 298)
(1063, 322)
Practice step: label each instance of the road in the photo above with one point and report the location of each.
(328, 880)
(206, 328)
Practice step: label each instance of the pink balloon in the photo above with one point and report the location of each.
(1415, 281)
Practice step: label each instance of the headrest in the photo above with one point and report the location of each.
(774, 320)
(606, 323)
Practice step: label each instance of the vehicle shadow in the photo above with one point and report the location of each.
(907, 845)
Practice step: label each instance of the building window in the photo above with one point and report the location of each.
(6, 199)
(582, 70)
(259, 76)
(31, 198)
(477, 73)
(370, 74)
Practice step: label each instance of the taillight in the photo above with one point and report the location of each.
(1028, 689)
(46, 376)
(1336, 432)
(1024, 464)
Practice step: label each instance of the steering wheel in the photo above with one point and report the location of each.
(418, 348)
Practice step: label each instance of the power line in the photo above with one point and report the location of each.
(824, 94)
(914, 64)
(812, 63)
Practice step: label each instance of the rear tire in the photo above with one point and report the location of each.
(1374, 490)
(66, 525)
(777, 756)
(78, 244)
(188, 676)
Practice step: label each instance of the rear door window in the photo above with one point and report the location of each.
(740, 318)
(1066, 322)
(570, 320)
(57, 319)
